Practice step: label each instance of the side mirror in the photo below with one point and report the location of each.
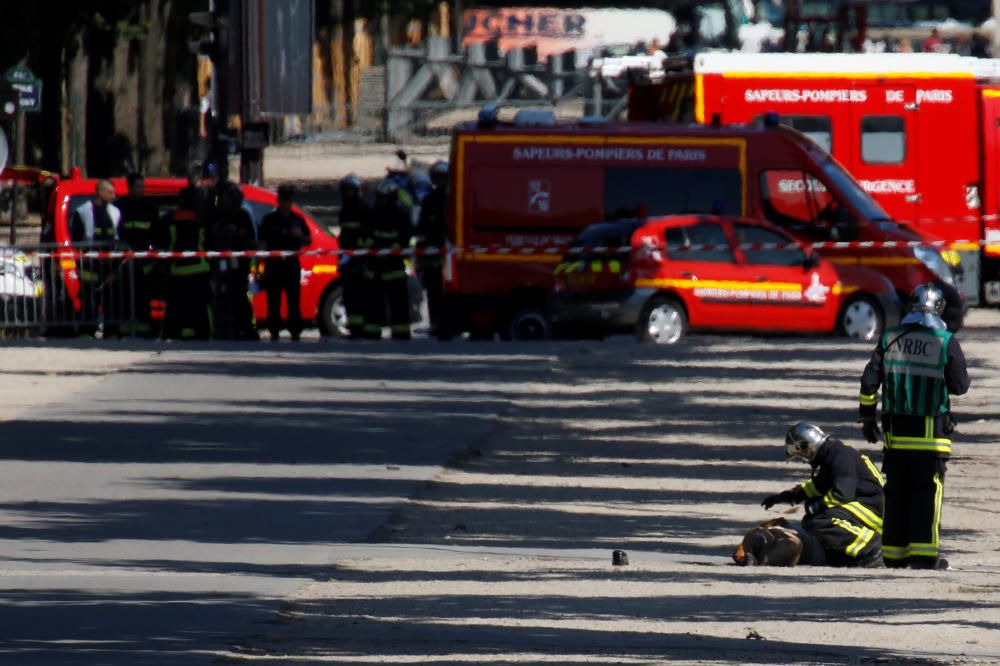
(810, 262)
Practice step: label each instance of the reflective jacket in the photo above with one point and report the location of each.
(95, 224)
(918, 369)
(844, 478)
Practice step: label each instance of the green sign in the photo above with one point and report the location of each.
(29, 88)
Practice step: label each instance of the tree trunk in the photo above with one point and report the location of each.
(74, 148)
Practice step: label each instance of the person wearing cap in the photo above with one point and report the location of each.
(919, 365)
(432, 233)
(283, 230)
(843, 497)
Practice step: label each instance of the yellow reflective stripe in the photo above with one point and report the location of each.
(895, 552)
(394, 275)
(596, 267)
(869, 399)
(560, 268)
(862, 536)
(938, 501)
(615, 266)
(138, 224)
(191, 269)
(918, 444)
(874, 470)
(810, 488)
(735, 285)
(322, 269)
(860, 511)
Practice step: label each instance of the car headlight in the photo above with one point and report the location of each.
(932, 259)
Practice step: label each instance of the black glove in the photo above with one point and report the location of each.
(950, 424)
(872, 432)
(781, 498)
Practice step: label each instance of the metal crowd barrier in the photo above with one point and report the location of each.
(48, 290)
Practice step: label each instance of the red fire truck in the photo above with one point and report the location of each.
(527, 188)
(918, 131)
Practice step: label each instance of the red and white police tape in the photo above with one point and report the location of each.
(70, 252)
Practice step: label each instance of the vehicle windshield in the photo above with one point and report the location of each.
(857, 197)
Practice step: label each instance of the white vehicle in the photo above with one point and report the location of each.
(21, 291)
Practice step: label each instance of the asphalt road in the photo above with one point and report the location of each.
(162, 512)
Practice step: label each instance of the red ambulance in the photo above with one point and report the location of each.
(320, 286)
(918, 131)
(522, 190)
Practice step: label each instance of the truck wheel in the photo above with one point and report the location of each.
(332, 316)
(663, 321)
(529, 322)
(861, 318)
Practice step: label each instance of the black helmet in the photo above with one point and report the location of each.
(801, 437)
(351, 183)
(387, 188)
(925, 307)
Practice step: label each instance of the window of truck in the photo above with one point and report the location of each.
(641, 193)
(883, 140)
(775, 256)
(705, 241)
(797, 201)
(817, 128)
(860, 200)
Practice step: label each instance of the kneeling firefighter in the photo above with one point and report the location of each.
(843, 498)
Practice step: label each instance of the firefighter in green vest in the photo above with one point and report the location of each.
(919, 365)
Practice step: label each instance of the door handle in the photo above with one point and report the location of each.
(761, 278)
(689, 274)
(912, 198)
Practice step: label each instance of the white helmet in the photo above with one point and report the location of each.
(800, 438)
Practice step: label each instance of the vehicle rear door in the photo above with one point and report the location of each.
(884, 153)
(784, 291)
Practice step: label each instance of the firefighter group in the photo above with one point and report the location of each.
(201, 298)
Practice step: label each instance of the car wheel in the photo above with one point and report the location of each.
(332, 317)
(861, 318)
(529, 323)
(663, 321)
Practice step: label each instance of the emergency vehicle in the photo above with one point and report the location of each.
(711, 273)
(527, 187)
(321, 304)
(919, 132)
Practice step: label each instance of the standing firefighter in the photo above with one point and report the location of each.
(232, 230)
(189, 296)
(94, 226)
(918, 364)
(391, 230)
(138, 229)
(283, 230)
(431, 233)
(843, 497)
(355, 272)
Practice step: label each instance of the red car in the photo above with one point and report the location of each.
(706, 272)
(322, 303)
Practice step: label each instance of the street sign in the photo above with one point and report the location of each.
(29, 88)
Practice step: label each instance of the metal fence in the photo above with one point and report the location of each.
(55, 291)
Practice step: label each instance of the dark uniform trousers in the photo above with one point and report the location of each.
(846, 541)
(282, 276)
(390, 284)
(189, 293)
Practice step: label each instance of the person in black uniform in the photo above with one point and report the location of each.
(283, 230)
(432, 233)
(919, 365)
(354, 220)
(391, 229)
(232, 230)
(843, 497)
(140, 218)
(189, 290)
